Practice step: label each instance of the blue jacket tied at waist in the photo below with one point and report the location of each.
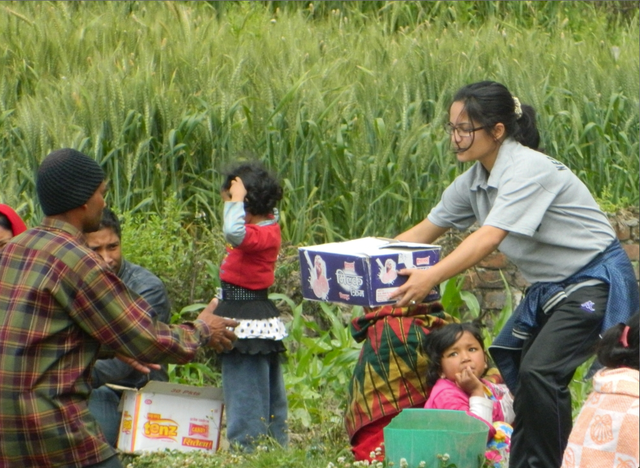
(611, 267)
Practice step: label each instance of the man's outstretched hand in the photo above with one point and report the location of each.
(144, 367)
(222, 335)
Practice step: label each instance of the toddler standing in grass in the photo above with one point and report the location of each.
(457, 364)
(254, 392)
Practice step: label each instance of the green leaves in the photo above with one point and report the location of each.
(457, 302)
(320, 362)
(343, 100)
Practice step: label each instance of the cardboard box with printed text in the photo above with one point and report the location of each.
(164, 415)
(362, 271)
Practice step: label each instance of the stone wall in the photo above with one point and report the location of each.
(485, 280)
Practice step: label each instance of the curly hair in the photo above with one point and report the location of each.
(263, 189)
(437, 342)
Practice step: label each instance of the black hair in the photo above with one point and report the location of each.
(111, 221)
(488, 103)
(263, 189)
(612, 352)
(5, 223)
(438, 340)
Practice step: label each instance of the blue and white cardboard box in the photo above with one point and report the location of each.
(362, 271)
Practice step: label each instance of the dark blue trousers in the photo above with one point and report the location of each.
(542, 402)
(255, 398)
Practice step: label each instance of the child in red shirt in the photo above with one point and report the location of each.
(253, 385)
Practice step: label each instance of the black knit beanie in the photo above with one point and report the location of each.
(66, 180)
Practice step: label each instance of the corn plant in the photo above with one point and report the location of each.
(344, 100)
(320, 362)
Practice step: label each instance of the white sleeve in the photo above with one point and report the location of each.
(507, 408)
(481, 407)
(233, 226)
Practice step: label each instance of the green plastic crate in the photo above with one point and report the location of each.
(420, 435)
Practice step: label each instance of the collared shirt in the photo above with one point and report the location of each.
(150, 287)
(58, 304)
(555, 226)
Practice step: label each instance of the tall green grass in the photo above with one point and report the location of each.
(343, 100)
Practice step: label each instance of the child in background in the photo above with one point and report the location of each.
(11, 224)
(457, 364)
(605, 434)
(253, 385)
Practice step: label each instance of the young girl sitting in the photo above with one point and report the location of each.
(457, 363)
(252, 381)
(605, 434)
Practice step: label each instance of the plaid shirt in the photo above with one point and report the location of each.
(58, 304)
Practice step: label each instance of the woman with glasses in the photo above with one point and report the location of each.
(535, 211)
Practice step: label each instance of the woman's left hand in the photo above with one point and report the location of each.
(417, 287)
(470, 251)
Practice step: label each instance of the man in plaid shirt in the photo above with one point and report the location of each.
(59, 307)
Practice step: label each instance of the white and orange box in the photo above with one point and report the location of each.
(164, 415)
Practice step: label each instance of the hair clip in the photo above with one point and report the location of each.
(624, 337)
(517, 107)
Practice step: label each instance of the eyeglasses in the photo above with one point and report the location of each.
(463, 130)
